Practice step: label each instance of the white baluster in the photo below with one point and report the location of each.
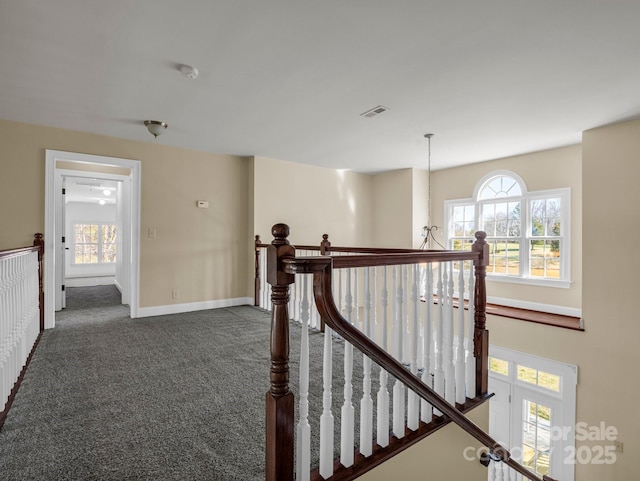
(339, 272)
(398, 387)
(449, 367)
(349, 299)
(304, 308)
(347, 419)
(366, 405)
(382, 432)
(438, 372)
(413, 402)
(406, 338)
(326, 419)
(470, 359)
(460, 353)
(491, 471)
(499, 471)
(347, 443)
(356, 307)
(303, 448)
(263, 278)
(426, 410)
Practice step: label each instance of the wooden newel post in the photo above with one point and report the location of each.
(480, 334)
(39, 241)
(279, 399)
(256, 287)
(325, 245)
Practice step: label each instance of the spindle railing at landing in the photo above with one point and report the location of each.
(21, 316)
(421, 338)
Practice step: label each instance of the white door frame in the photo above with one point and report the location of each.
(563, 402)
(50, 234)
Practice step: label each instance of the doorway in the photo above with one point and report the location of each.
(532, 412)
(61, 165)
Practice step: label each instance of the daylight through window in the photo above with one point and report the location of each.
(94, 244)
(527, 232)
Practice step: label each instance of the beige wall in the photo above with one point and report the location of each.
(549, 169)
(605, 353)
(312, 201)
(393, 208)
(200, 252)
(420, 205)
(440, 456)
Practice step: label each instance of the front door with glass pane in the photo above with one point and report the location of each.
(534, 414)
(534, 401)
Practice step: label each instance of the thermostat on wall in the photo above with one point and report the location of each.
(203, 204)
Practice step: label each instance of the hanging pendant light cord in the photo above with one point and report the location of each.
(427, 230)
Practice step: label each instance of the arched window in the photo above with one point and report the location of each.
(527, 231)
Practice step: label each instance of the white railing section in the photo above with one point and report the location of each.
(430, 335)
(19, 317)
(501, 472)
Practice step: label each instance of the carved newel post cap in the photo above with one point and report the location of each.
(480, 235)
(280, 232)
(325, 237)
(257, 239)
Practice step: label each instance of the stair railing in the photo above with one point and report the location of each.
(439, 398)
(21, 316)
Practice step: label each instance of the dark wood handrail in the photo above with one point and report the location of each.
(8, 253)
(321, 268)
(361, 250)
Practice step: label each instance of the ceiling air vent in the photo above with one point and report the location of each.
(374, 111)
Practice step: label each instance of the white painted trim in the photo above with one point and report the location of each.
(536, 306)
(89, 281)
(51, 156)
(193, 306)
(567, 395)
(497, 173)
(532, 281)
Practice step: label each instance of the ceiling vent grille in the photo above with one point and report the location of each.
(374, 111)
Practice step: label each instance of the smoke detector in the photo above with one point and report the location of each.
(189, 72)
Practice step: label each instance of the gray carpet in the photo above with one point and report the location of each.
(178, 397)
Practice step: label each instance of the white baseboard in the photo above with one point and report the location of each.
(117, 284)
(193, 306)
(89, 281)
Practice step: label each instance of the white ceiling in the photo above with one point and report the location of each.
(288, 79)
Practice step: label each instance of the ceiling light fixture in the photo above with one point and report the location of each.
(427, 230)
(155, 127)
(107, 192)
(189, 72)
(102, 202)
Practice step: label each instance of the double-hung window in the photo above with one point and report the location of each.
(527, 232)
(94, 243)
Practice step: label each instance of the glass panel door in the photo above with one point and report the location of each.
(534, 414)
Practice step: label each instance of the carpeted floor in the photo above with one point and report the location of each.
(178, 397)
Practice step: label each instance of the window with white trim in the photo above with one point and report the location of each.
(94, 243)
(527, 232)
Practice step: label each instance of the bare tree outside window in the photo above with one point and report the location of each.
(94, 243)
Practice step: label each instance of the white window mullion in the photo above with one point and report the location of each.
(506, 187)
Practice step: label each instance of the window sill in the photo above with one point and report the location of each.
(538, 317)
(530, 281)
(529, 315)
